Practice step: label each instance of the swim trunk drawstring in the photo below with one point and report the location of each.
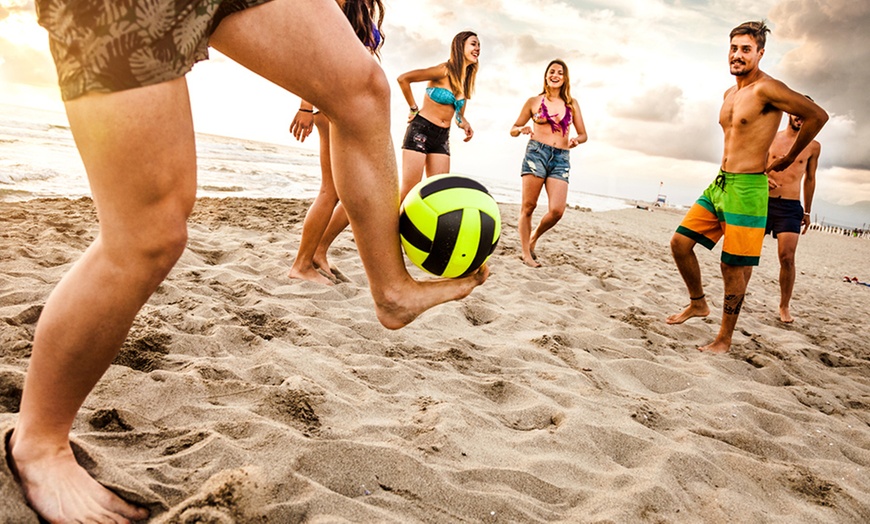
(720, 181)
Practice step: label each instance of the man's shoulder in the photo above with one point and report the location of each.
(767, 83)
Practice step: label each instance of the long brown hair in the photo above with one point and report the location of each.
(461, 79)
(365, 16)
(565, 90)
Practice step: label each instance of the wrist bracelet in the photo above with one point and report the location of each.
(806, 214)
(306, 110)
(415, 109)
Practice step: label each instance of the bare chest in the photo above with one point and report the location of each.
(744, 113)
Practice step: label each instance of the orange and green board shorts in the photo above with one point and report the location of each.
(733, 207)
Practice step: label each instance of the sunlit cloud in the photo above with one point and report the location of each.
(649, 77)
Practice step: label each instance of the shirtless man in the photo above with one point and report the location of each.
(735, 204)
(121, 69)
(785, 215)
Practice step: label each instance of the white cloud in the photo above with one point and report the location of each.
(661, 104)
(649, 76)
(830, 64)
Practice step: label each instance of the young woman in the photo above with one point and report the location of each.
(366, 18)
(448, 88)
(547, 162)
(450, 84)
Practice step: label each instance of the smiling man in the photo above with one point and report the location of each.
(734, 206)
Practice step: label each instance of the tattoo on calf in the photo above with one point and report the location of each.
(733, 303)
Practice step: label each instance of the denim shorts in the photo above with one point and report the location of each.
(425, 137)
(545, 161)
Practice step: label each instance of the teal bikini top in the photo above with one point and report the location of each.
(446, 97)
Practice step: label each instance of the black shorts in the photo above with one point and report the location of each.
(425, 137)
(784, 216)
(105, 46)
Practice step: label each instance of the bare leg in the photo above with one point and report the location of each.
(337, 224)
(532, 186)
(735, 278)
(683, 250)
(274, 40)
(319, 214)
(138, 150)
(557, 198)
(437, 164)
(413, 163)
(786, 246)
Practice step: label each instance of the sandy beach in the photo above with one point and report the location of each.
(556, 394)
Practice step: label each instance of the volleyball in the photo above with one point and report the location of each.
(449, 225)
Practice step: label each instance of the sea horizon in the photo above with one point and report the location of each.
(38, 159)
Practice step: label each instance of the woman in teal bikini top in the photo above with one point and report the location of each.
(448, 87)
(446, 97)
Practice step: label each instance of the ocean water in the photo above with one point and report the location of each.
(38, 158)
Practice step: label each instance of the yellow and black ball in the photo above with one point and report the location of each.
(449, 225)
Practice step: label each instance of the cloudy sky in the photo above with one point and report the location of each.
(649, 75)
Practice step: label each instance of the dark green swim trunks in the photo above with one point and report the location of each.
(111, 45)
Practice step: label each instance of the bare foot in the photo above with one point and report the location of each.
(320, 262)
(60, 490)
(697, 308)
(310, 274)
(716, 347)
(337, 275)
(400, 305)
(785, 315)
(530, 261)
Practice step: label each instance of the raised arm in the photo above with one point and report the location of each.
(793, 103)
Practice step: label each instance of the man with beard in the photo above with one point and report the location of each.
(785, 215)
(735, 204)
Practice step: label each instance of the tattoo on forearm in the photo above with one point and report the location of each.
(733, 303)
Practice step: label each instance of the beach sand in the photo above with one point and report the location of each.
(556, 394)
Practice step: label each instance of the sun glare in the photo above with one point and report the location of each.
(20, 29)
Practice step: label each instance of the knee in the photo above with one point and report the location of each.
(365, 103)
(166, 245)
(150, 248)
(556, 214)
(327, 194)
(786, 260)
(680, 246)
(528, 208)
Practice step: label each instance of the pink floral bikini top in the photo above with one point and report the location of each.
(544, 117)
